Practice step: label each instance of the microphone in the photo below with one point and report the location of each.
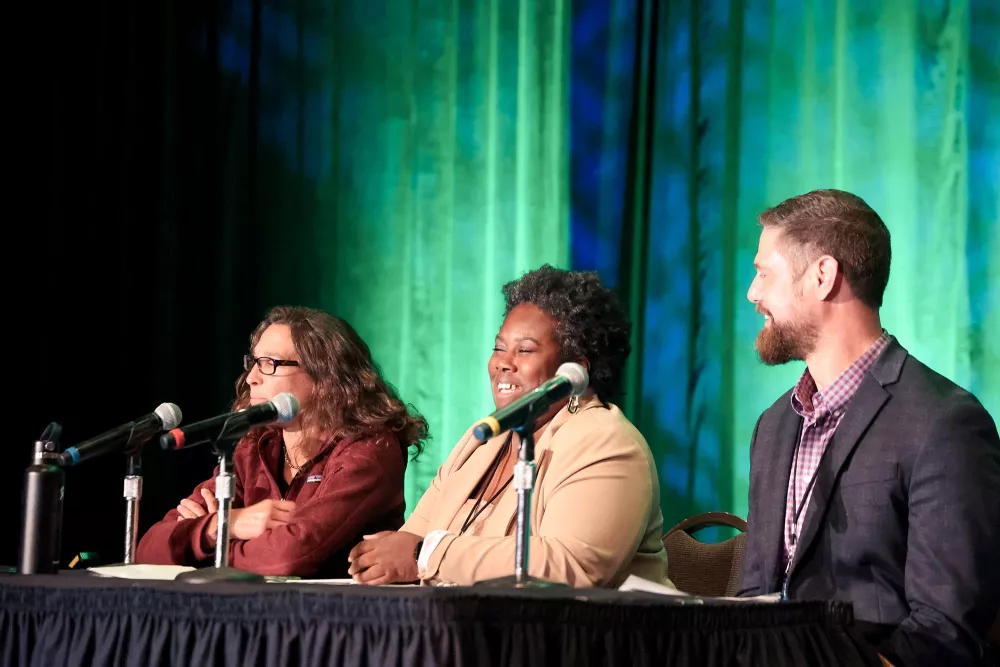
(131, 435)
(282, 409)
(570, 380)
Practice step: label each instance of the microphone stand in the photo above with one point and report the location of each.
(224, 494)
(132, 494)
(524, 483)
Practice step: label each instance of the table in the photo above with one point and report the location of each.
(78, 619)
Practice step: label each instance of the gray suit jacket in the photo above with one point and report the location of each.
(904, 519)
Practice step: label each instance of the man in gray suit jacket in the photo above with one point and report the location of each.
(874, 480)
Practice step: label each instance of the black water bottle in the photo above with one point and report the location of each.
(41, 510)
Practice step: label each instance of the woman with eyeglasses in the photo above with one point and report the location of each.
(306, 491)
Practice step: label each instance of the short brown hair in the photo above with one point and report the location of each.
(842, 225)
(351, 399)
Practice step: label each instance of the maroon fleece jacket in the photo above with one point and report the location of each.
(351, 488)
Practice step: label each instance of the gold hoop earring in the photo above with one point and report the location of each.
(574, 404)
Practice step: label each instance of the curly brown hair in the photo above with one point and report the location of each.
(351, 398)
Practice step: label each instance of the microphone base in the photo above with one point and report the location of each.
(512, 582)
(212, 575)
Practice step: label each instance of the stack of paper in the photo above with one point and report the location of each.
(157, 572)
(634, 583)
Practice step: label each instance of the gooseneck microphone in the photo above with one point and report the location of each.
(131, 436)
(570, 380)
(233, 425)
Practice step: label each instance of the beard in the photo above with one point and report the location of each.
(778, 344)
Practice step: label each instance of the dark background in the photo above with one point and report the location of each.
(138, 283)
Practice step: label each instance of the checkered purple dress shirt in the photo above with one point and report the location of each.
(821, 413)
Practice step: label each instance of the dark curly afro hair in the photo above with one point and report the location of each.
(592, 322)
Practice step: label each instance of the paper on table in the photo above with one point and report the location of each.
(157, 572)
(634, 583)
(770, 597)
(328, 582)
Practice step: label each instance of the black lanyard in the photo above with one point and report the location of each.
(798, 507)
(501, 455)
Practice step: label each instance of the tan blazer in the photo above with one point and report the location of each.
(595, 514)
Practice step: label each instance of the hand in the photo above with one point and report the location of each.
(189, 509)
(885, 662)
(247, 523)
(385, 558)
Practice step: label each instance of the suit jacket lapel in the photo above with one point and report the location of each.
(862, 409)
(774, 495)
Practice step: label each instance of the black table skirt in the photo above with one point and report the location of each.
(82, 620)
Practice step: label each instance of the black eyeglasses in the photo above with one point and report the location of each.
(267, 365)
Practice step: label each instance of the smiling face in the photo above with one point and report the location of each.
(526, 355)
(789, 331)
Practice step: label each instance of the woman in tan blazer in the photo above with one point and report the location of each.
(595, 514)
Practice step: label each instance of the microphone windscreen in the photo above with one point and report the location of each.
(287, 406)
(169, 414)
(577, 376)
